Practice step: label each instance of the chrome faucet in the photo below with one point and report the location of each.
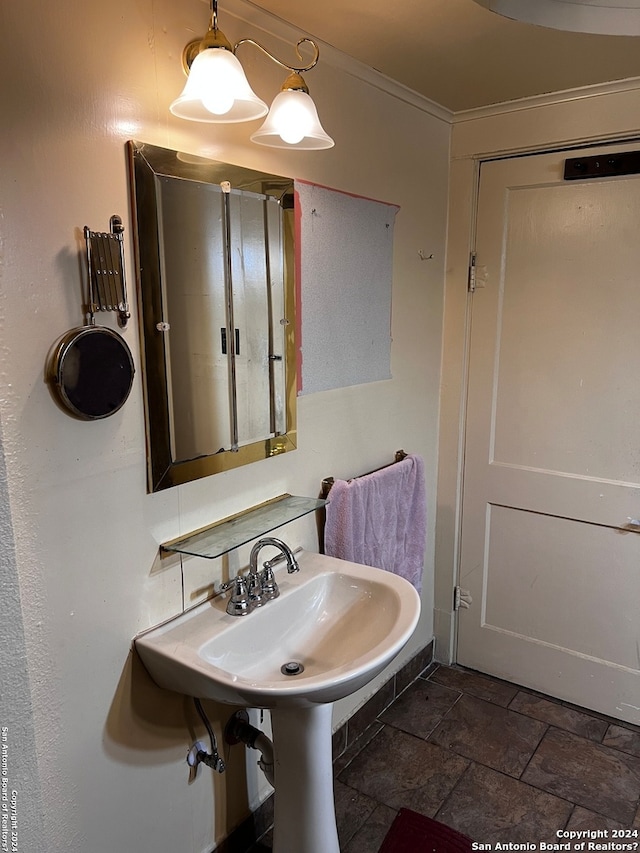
(258, 587)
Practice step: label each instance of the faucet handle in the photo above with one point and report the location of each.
(225, 587)
(269, 586)
(255, 589)
(240, 602)
(292, 565)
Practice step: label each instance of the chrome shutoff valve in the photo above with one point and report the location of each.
(212, 761)
(198, 755)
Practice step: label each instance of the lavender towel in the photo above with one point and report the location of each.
(380, 519)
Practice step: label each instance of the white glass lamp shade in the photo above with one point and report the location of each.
(293, 123)
(217, 90)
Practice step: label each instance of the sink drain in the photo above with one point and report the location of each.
(292, 668)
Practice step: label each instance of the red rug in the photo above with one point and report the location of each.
(411, 832)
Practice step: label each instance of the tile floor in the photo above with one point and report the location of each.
(495, 761)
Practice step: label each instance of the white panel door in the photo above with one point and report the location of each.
(550, 548)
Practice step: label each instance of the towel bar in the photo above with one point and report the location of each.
(327, 483)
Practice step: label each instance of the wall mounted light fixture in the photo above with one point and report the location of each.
(217, 90)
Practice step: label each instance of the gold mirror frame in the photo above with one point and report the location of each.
(146, 163)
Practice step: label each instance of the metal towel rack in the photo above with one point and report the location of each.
(328, 482)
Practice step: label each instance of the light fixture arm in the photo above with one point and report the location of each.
(293, 68)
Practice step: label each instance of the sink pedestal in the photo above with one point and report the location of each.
(305, 819)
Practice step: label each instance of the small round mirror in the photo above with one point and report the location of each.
(91, 372)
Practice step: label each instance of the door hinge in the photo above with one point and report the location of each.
(461, 599)
(472, 273)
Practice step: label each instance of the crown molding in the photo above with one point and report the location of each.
(286, 32)
(535, 101)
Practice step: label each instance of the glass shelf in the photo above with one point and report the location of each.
(223, 536)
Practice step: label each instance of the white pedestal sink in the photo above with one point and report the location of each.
(342, 622)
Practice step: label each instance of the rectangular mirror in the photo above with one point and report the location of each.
(215, 263)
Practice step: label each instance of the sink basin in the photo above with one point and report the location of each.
(343, 622)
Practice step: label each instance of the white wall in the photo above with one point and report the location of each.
(105, 748)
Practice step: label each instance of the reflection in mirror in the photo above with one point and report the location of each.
(215, 270)
(205, 417)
